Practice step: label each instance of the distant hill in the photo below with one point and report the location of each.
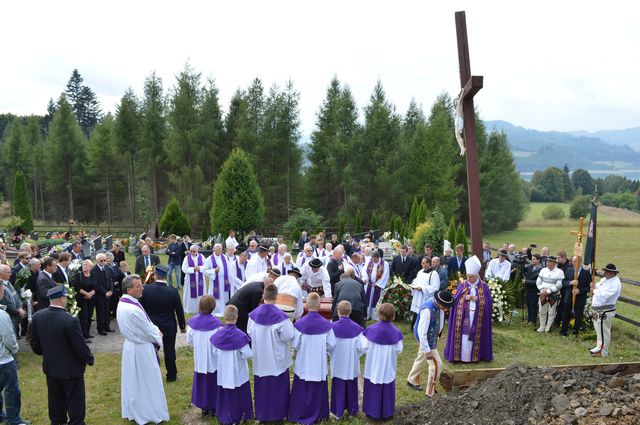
(537, 150)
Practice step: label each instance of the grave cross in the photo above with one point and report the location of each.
(470, 86)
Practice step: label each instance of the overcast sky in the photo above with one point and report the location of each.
(547, 65)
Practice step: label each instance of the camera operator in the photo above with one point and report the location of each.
(531, 272)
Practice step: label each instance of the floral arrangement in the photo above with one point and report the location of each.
(206, 244)
(501, 306)
(386, 235)
(398, 293)
(21, 279)
(72, 302)
(453, 286)
(74, 267)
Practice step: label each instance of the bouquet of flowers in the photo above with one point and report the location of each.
(386, 235)
(499, 297)
(398, 293)
(74, 267)
(21, 278)
(72, 302)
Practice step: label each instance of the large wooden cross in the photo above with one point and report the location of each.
(470, 86)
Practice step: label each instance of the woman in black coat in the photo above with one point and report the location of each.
(85, 285)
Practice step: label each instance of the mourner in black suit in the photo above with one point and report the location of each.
(456, 263)
(22, 262)
(247, 299)
(104, 290)
(57, 336)
(335, 267)
(144, 260)
(350, 290)
(118, 254)
(583, 285)
(45, 281)
(84, 282)
(162, 303)
(62, 274)
(403, 265)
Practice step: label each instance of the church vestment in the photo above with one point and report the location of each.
(424, 287)
(219, 281)
(271, 332)
(142, 392)
(345, 367)
(205, 380)
(376, 277)
(382, 342)
(231, 347)
(314, 339)
(277, 259)
(194, 283)
(256, 264)
(303, 259)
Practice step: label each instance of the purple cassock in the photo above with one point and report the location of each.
(479, 330)
(379, 400)
(205, 385)
(233, 405)
(309, 402)
(271, 392)
(344, 392)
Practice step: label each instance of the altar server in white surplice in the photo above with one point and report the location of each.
(194, 283)
(345, 363)
(314, 340)
(258, 263)
(231, 346)
(205, 379)
(218, 271)
(271, 332)
(141, 390)
(424, 286)
(288, 286)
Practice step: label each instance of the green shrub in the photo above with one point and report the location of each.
(553, 212)
(21, 204)
(580, 206)
(7, 224)
(174, 220)
(303, 219)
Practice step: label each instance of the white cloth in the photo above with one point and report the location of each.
(311, 360)
(345, 359)
(256, 264)
(289, 285)
(141, 391)
(209, 270)
(231, 242)
(191, 305)
(550, 280)
(302, 259)
(423, 328)
(606, 292)
(466, 346)
(472, 265)
(317, 279)
(233, 370)
(271, 347)
(286, 268)
(381, 362)
(429, 282)
(373, 280)
(280, 259)
(204, 357)
(501, 270)
(236, 283)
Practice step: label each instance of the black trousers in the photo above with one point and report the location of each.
(66, 399)
(102, 313)
(86, 313)
(169, 349)
(581, 300)
(532, 306)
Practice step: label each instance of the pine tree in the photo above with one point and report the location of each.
(21, 204)
(461, 238)
(46, 120)
(214, 147)
(173, 220)
(436, 232)
(89, 111)
(374, 220)
(34, 152)
(13, 158)
(413, 215)
(341, 229)
(451, 233)
(235, 190)
(422, 212)
(236, 119)
(357, 222)
(127, 132)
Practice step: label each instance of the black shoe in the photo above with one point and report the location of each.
(414, 387)
(563, 333)
(110, 330)
(172, 378)
(103, 333)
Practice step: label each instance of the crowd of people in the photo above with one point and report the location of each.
(259, 290)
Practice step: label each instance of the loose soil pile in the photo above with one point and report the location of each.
(527, 395)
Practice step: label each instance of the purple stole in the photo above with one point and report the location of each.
(229, 338)
(128, 301)
(313, 324)
(204, 322)
(227, 287)
(275, 259)
(383, 333)
(199, 290)
(285, 268)
(372, 287)
(346, 328)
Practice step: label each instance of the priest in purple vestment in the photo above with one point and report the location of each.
(469, 336)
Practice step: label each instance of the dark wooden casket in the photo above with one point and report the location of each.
(325, 308)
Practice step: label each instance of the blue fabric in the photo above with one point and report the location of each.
(434, 323)
(178, 272)
(9, 383)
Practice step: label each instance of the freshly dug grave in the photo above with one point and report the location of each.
(528, 395)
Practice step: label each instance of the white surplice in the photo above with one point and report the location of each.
(236, 282)
(424, 286)
(204, 355)
(209, 270)
(271, 347)
(142, 392)
(190, 303)
(302, 259)
(466, 346)
(256, 264)
(345, 359)
(233, 370)
(381, 362)
(374, 281)
(311, 360)
(289, 285)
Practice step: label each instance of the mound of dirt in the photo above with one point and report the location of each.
(527, 395)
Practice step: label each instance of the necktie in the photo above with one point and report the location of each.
(146, 261)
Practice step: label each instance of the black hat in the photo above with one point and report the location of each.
(611, 268)
(504, 253)
(552, 258)
(263, 248)
(295, 271)
(161, 270)
(444, 298)
(275, 271)
(57, 292)
(316, 262)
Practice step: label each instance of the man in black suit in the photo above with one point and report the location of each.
(247, 299)
(62, 275)
(162, 303)
(144, 260)
(76, 251)
(348, 289)
(45, 281)
(118, 253)
(456, 264)
(104, 290)
(23, 261)
(335, 267)
(117, 276)
(304, 239)
(57, 336)
(402, 265)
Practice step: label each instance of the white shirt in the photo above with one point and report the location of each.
(302, 260)
(289, 285)
(501, 270)
(606, 292)
(271, 345)
(311, 360)
(233, 370)
(429, 282)
(317, 279)
(382, 361)
(256, 264)
(345, 359)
